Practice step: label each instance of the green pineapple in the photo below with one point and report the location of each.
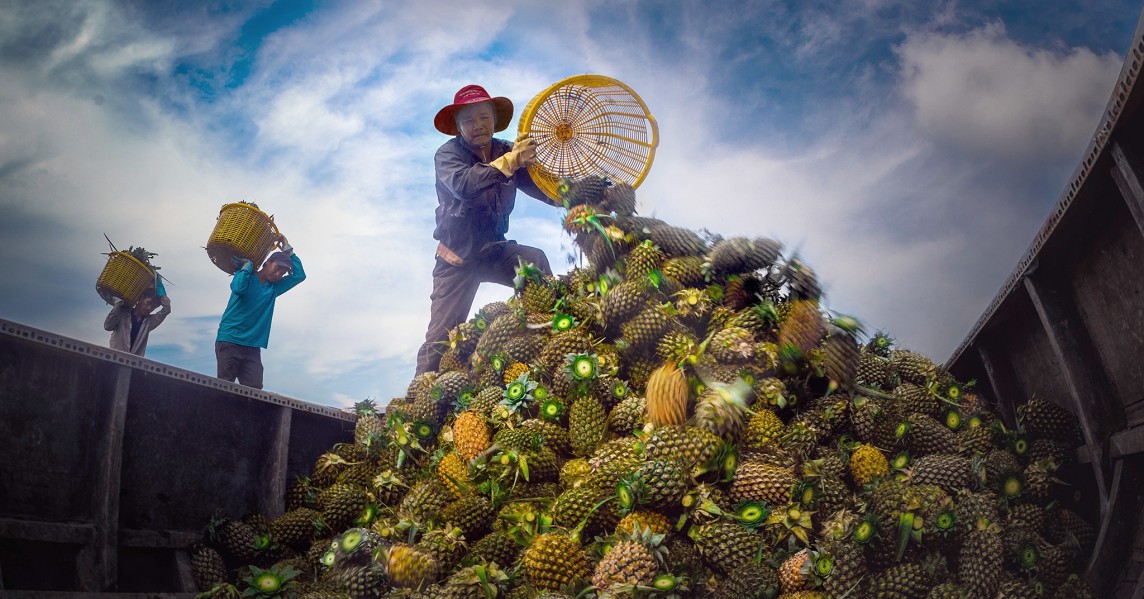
(623, 302)
(368, 422)
(207, 566)
(687, 271)
(742, 255)
(643, 330)
(724, 546)
(473, 514)
(628, 415)
(342, 504)
(642, 260)
(980, 561)
(677, 241)
(619, 197)
(901, 582)
(587, 425)
(425, 500)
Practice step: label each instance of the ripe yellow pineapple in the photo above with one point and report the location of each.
(868, 463)
(667, 394)
(470, 434)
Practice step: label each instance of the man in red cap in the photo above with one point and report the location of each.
(245, 326)
(477, 179)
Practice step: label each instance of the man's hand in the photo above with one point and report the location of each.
(522, 154)
(242, 264)
(285, 245)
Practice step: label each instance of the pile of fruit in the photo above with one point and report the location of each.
(678, 417)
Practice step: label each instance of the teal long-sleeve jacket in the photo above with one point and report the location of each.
(246, 320)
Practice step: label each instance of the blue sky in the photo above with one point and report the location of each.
(908, 151)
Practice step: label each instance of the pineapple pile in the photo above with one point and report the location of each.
(676, 417)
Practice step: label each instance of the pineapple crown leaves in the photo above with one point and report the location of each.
(563, 322)
(795, 519)
(518, 395)
(551, 409)
(752, 514)
(490, 578)
(818, 566)
(270, 582)
(365, 407)
(867, 529)
(629, 491)
(526, 272)
(581, 367)
(847, 324)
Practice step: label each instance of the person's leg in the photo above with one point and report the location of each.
(228, 360)
(502, 269)
(250, 371)
(454, 288)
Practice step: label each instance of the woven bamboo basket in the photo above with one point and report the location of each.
(124, 277)
(589, 125)
(242, 231)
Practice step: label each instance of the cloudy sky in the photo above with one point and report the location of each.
(908, 151)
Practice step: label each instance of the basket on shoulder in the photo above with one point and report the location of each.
(126, 275)
(242, 231)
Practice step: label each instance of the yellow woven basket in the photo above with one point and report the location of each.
(123, 277)
(589, 125)
(242, 231)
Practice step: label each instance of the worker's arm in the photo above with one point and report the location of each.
(242, 276)
(114, 317)
(297, 275)
(165, 311)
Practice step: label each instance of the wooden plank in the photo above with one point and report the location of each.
(73, 533)
(159, 539)
(86, 595)
(184, 574)
(1114, 540)
(1004, 382)
(272, 499)
(1134, 414)
(1128, 179)
(1088, 389)
(97, 566)
(1126, 443)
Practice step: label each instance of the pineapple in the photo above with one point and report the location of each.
(667, 395)
(630, 561)
(791, 576)
(554, 561)
(587, 425)
(902, 581)
(470, 434)
(207, 566)
(724, 545)
(368, 421)
(868, 463)
(473, 514)
(410, 567)
(761, 481)
(982, 554)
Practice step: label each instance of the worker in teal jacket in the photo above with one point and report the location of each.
(245, 327)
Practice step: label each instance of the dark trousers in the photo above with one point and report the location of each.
(454, 288)
(239, 362)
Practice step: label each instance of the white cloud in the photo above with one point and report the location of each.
(986, 94)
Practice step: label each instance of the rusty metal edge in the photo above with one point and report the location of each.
(1124, 91)
(21, 331)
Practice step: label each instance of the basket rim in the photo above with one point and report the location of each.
(248, 206)
(592, 80)
(132, 258)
